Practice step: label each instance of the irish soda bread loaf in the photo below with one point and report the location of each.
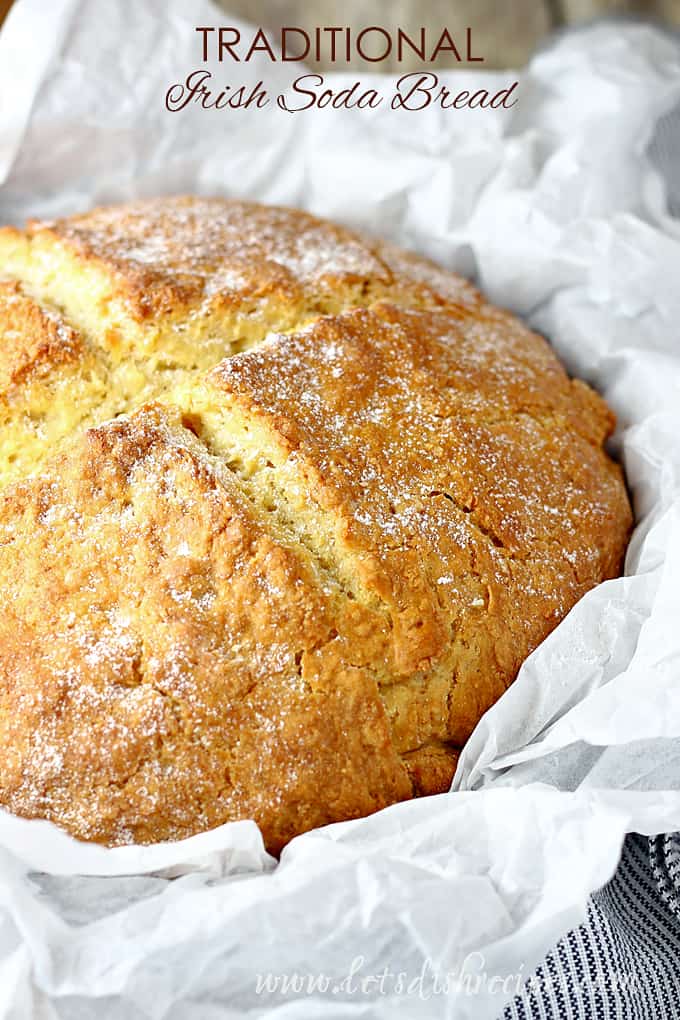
(284, 510)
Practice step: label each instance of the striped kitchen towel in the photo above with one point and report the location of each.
(623, 963)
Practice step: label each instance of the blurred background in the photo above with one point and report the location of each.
(505, 33)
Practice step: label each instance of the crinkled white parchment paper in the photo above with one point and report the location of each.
(556, 209)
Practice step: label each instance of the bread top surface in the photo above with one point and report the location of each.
(288, 585)
(195, 262)
(163, 288)
(181, 253)
(34, 340)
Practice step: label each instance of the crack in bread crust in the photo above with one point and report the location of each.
(158, 291)
(283, 585)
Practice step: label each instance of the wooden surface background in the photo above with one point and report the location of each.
(505, 32)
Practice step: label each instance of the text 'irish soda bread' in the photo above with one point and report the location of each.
(284, 511)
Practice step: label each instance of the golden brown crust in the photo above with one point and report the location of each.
(465, 489)
(33, 340)
(289, 589)
(168, 253)
(430, 768)
(160, 289)
(192, 672)
(51, 380)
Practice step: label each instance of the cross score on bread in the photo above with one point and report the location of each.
(285, 509)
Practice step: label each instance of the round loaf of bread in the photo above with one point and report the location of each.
(284, 509)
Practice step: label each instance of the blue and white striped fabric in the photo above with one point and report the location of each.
(623, 963)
